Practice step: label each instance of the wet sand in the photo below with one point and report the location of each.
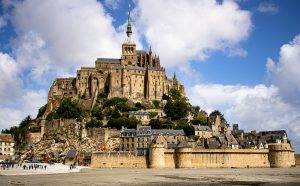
(147, 177)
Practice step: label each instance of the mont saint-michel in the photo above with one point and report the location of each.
(129, 117)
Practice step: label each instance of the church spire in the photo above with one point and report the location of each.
(129, 28)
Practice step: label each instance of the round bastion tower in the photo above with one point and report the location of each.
(183, 155)
(281, 154)
(157, 153)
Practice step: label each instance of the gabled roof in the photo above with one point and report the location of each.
(6, 138)
(71, 153)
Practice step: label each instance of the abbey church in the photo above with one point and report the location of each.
(137, 75)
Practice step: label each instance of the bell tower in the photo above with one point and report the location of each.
(129, 57)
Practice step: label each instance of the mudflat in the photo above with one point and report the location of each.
(118, 176)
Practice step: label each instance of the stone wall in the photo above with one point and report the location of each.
(51, 126)
(118, 160)
(101, 135)
(281, 155)
(186, 158)
(297, 159)
(33, 137)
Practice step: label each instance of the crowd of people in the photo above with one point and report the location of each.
(7, 165)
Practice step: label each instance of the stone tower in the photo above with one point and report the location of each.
(157, 153)
(129, 57)
(281, 154)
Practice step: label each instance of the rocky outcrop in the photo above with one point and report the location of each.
(55, 144)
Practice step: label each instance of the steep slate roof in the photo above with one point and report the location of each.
(202, 128)
(135, 68)
(231, 140)
(6, 138)
(71, 153)
(184, 144)
(169, 132)
(146, 130)
(143, 113)
(108, 60)
(129, 133)
(143, 130)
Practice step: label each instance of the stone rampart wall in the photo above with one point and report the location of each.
(118, 160)
(297, 159)
(51, 126)
(212, 158)
(31, 137)
(101, 135)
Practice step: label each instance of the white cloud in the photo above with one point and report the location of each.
(254, 108)
(62, 35)
(285, 73)
(113, 4)
(183, 30)
(10, 117)
(10, 81)
(52, 40)
(267, 7)
(27, 104)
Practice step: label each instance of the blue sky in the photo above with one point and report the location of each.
(241, 57)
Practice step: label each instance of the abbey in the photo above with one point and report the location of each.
(137, 75)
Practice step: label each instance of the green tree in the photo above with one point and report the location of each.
(168, 124)
(177, 107)
(97, 113)
(153, 114)
(195, 110)
(94, 123)
(41, 111)
(165, 97)
(115, 113)
(217, 112)
(117, 123)
(25, 122)
(69, 109)
(155, 124)
(51, 116)
(200, 119)
(186, 127)
(156, 104)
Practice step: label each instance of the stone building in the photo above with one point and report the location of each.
(203, 131)
(143, 116)
(6, 144)
(136, 75)
(139, 139)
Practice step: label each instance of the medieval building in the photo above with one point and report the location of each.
(137, 75)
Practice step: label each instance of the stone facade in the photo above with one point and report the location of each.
(139, 140)
(6, 144)
(137, 75)
(33, 137)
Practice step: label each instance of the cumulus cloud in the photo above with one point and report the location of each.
(254, 108)
(267, 7)
(10, 81)
(184, 30)
(62, 35)
(285, 73)
(28, 104)
(52, 40)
